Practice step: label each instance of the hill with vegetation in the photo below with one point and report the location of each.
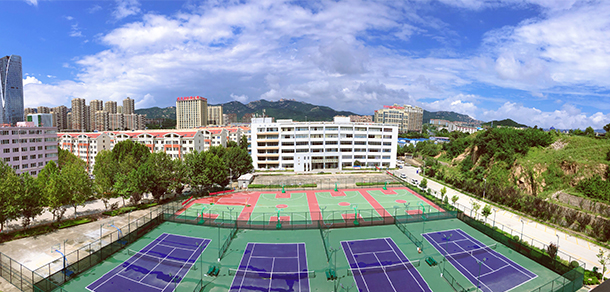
(158, 113)
(449, 116)
(560, 178)
(283, 109)
(505, 123)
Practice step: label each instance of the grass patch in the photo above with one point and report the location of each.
(128, 209)
(43, 229)
(74, 222)
(380, 183)
(259, 186)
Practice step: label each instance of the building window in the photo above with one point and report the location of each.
(16, 158)
(15, 149)
(39, 147)
(32, 148)
(7, 159)
(32, 156)
(24, 149)
(7, 150)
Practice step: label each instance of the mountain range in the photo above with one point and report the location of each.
(291, 109)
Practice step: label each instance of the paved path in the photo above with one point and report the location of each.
(576, 247)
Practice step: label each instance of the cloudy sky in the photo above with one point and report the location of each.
(539, 62)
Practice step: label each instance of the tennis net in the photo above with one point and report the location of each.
(471, 253)
(164, 261)
(386, 268)
(274, 275)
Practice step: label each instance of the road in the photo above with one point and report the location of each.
(577, 248)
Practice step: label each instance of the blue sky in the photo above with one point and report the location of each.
(539, 62)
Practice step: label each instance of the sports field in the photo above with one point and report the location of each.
(303, 206)
(176, 256)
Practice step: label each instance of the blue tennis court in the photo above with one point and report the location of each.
(272, 267)
(379, 265)
(480, 264)
(159, 266)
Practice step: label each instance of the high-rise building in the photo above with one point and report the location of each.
(41, 120)
(102, 122)
(191, 112)
(43, 110)
(215, 115)
(29, 110)
(229, 118)
(115, 122)
(94, 106)
(129, 106)
(60, 116)
(27, 148)
(110, 107)
(11, 90)
(407, 118)
(79, 115)
(119, 109)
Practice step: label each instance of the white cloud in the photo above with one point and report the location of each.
(32, 2)
(126, 8)
(94, 8)
(461, 103)
(31, 80)
(241, 98)
(75, 31)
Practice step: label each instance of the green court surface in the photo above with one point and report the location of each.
(316, 254)
(396, 198)
(292, 206)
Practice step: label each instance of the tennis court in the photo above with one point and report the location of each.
(272, 267)
(159, 266)
(379, 265)
(480, 264)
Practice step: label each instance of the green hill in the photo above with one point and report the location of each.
(506, 123)
(449, 116)
(158, 113)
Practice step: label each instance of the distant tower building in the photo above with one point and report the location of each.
(41, 120)
(11, 90)
(79, 115)
(29, 110)
(69, 119)
(115, 122)
(407, 118)
(110, 107)
(191, 112)
(360, 119)
(215, 116)
(94, 106)
(60, 116)
(101, 121)
(229, 118)
(119, 109)
(44, 110)
(129, 106)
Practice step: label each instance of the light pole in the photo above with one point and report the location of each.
(557, 240)
(495, 212)
(522, 224)
(479, 276)
(484, 187)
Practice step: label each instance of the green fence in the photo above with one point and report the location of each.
(406, 231)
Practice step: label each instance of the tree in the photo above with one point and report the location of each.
(552, 250)
(443, 192)
(104, 171)
(475, 207)
(357, 163)
(216, 171)
(238, 161)
(80, 186)
(454, 199)
(65, 157)
(128, 157)
(424, 183)
(31, 203)
(231, 144)
(158, 174)
(603, 259)
(55, 189)
(486, 211)
(607, 129)
(590, 132)
(243, 142)
(8, 201)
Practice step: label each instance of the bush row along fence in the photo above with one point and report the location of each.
(321, 183)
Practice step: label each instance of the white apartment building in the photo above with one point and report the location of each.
(27, 148)
(176, 143)
(191, 112)
(311, 146)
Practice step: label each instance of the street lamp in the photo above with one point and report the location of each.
(484, 187)
(479, 276)
(522, 224)
(495, 212)
(557, 240)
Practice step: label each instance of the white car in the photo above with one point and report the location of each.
(402, 175)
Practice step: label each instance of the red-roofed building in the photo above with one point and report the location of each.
(175, 143)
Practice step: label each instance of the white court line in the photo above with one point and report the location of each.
(511, 263)
(187, 262)
(271, 274)
(457, 263)
(407, 268)
(357, 267)
(446, 242)
(130, 279)
(386, 274)
(150, 271)
(247, 265)
(166, 234)
(187, 249)
(266, 257)
(372, 252)
(483, 262)
(502, 267)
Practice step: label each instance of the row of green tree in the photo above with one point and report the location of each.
(128, 171)
(597, 187)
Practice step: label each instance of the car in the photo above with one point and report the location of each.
(400, 166)
(402, 175)
(415, 182)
